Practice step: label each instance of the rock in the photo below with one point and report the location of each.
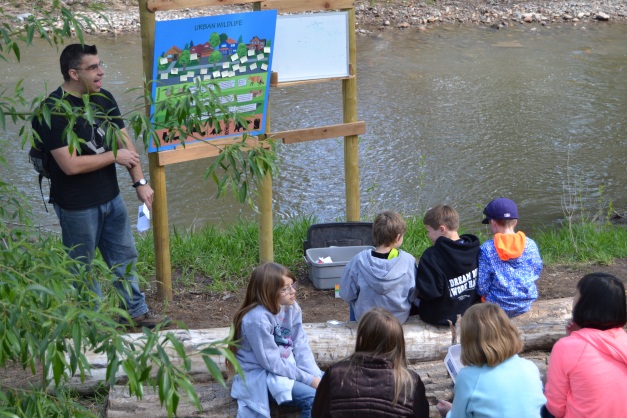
(386, 23)
(528, 17)
(602, 16)
(403, 25)
(23, 16)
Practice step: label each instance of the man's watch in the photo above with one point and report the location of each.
(139, 182)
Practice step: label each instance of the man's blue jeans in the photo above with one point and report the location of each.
(108, 228)
(302, 397)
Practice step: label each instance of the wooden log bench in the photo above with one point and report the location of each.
(217, 403)
(427, 346)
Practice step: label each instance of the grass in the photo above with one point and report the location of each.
(583, 242)
(227, 256)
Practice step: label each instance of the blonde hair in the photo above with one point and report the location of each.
(379, 333)
(264, 287)
(386, 227)
(442, 215)
(488, 336)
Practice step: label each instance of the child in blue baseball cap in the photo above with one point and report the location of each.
(509, 263)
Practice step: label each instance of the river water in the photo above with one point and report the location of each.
(455, 115)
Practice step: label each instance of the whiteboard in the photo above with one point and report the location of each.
(311, 46)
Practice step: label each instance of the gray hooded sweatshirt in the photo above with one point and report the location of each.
(369, 281)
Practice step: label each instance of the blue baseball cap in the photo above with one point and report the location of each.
(500, 208)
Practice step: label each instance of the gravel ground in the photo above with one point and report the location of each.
(372, 15)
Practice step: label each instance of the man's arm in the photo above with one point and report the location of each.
(144, 193)
(73, 164)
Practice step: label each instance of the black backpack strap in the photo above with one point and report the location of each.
(41, 176)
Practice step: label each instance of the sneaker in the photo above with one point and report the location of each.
(148, 320)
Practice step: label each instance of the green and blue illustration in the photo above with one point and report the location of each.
(229, 56)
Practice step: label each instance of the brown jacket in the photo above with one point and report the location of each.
(366, 390)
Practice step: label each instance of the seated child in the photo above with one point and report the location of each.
(375, 381)
(384, 276)
(447, 272)
(273, 350)
(496, 382)
(591, 361)
(510, 263)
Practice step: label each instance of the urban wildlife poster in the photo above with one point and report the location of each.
(226, 59)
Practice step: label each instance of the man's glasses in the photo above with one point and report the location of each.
(93, 67)
(289, 289)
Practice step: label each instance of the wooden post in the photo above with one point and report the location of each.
(351, 143)
(266, 241)
(157, 173)
(264, 200)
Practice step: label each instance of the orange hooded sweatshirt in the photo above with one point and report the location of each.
(509, 246)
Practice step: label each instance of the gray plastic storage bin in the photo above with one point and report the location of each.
(338, 234)
(327, 275)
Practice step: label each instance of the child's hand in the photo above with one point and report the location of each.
(315, 382)
(443, 407)
(571, 326)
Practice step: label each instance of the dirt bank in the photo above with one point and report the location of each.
(197, 308)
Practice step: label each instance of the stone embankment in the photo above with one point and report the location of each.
(493, 13)
(373, 15)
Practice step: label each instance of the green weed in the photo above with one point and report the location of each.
(227, 256)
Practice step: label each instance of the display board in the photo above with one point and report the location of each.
(229, 55)
(311, 46)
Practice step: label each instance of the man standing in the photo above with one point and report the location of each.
(84, 186)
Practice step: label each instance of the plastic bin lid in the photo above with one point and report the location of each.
(338, 234)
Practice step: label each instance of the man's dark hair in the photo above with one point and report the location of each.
(601, 303)
(72, 57)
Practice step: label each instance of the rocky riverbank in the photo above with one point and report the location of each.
(373, 15)
(420, 15)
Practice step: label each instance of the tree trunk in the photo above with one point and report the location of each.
(217, 403)
(541, 327)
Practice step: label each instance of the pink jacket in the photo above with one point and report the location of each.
(587, 375)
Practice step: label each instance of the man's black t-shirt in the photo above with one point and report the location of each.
(86, 190)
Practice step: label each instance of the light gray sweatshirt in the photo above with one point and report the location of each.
(267, 343)
(369, 281)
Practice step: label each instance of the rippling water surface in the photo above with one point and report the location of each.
(454, 114)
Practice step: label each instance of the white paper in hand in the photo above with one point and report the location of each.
(143, 218)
